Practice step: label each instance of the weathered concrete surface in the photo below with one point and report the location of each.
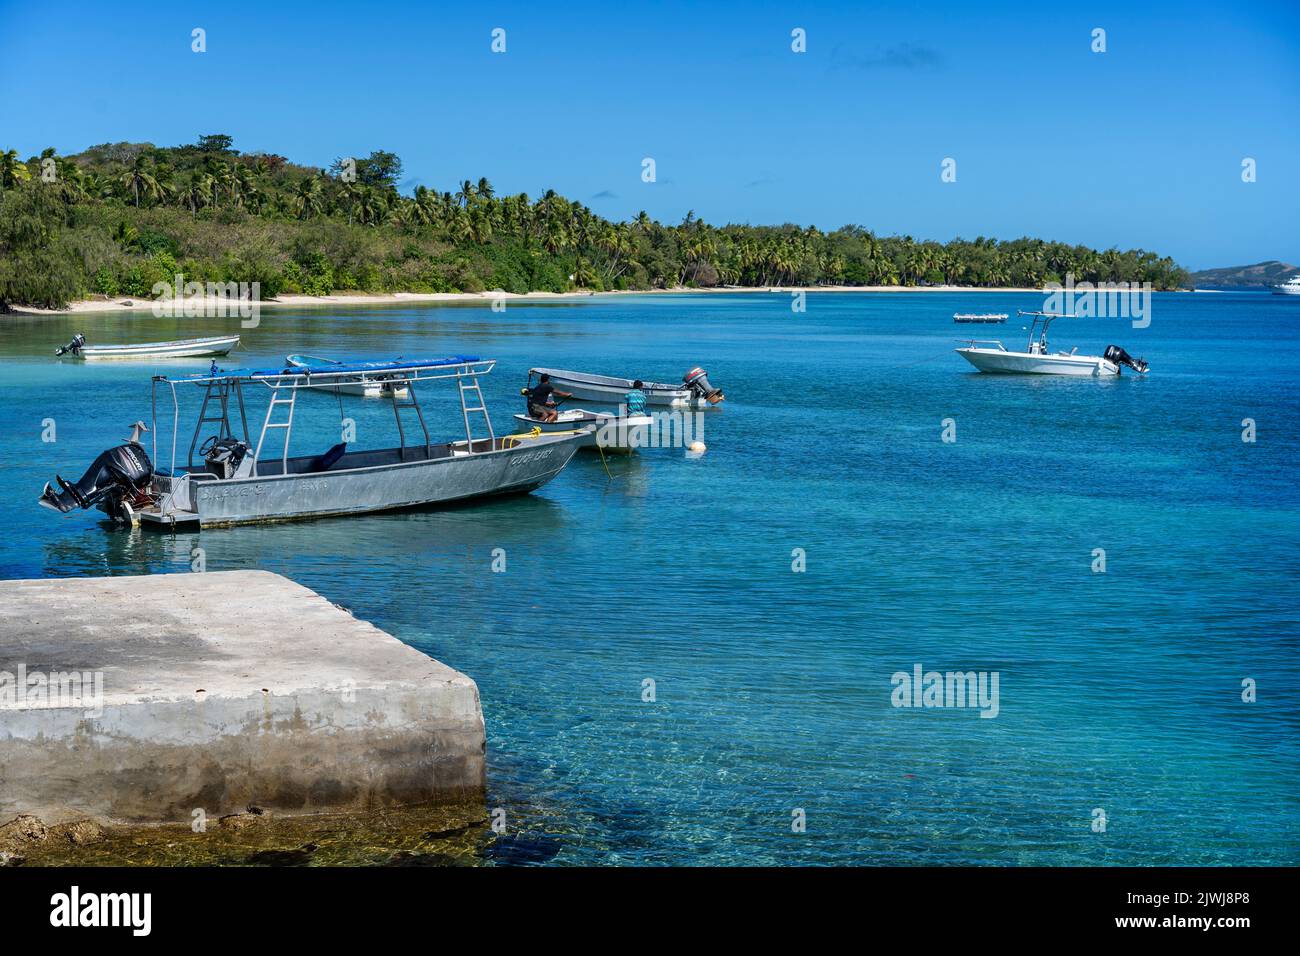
(223, 690)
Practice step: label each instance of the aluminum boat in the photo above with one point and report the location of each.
(213, 346)
(990, 355)
(694, 392)
(237, 482)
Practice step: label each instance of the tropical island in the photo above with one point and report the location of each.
(116, 219)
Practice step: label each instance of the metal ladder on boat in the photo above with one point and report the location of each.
(223, 420)
(287, 425)
(481, 407)
(412, 402)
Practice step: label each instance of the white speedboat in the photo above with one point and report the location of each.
(622, 434)
(990, 355)
(369, 385)
(694, 392)
(1290, 287)
(182, 348)
(986, 318)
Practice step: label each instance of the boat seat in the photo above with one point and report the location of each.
(329, 459)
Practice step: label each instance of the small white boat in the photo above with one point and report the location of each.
(1290, 287)
(182, 348)
(694, 392)
(368, 385)
(987, 318)
(622, 434)
(990, 355)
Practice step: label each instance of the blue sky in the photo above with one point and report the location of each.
(1138, 146)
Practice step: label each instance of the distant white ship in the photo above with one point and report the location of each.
(1290, 287)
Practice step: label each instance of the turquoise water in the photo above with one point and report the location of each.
(1119, 691)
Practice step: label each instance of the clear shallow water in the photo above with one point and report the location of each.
(1119, 691)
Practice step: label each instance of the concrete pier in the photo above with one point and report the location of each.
(170, 698)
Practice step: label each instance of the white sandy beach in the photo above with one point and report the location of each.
(127, 304)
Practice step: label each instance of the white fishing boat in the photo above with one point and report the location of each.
(990, 355)
(212, 346)
(694, 392)
(368, 385)
(236, 481)
(1290, 287)
(622, 434)
(988, 318)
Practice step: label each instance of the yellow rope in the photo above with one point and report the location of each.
(535, 433)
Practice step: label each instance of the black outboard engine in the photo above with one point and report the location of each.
(697, 380)
(1117, 355)
(74, 346)
(119, 474)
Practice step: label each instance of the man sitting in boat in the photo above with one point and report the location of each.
(635, 400)
(541, 400)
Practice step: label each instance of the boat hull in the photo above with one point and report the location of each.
(191, 348)
(371, 390)
(613, 433)
(608, 390)
(510, 468)
(1000, 362)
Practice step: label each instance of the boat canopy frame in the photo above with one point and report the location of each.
(221, 385)
(1032, 348)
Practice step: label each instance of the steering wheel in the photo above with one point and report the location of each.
(209, 443)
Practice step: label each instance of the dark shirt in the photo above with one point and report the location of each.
(541, 394)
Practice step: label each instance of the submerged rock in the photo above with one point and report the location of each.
(21, 831)
(80, 832)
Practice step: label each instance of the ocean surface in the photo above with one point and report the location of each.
(1120, 693)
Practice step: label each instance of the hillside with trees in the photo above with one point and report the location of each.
(1261, 275)
(117, 218)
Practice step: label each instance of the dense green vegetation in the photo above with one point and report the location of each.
(118, 218)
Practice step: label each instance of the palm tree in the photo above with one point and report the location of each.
(13, 170)
(139, 180)
(197, 192)
(307, 197)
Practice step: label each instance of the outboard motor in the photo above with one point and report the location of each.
(1117, 355)
(697, 380)
(117, 479)
(74, 346)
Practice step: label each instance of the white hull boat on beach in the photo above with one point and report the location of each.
(373, 385)
(990, 355)
(621, 434)
(694, 392)
(182, 348)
